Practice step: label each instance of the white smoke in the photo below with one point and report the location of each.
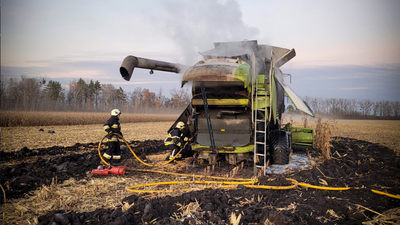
(194, 26)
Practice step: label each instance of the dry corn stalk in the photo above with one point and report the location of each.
(235, 220)
(322, 136)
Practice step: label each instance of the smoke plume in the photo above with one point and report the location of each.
(195, 25)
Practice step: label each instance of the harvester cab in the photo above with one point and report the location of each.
(237, 103)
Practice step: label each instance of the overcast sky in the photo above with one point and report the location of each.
(345, 49)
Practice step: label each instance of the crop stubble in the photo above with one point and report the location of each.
(15, 138)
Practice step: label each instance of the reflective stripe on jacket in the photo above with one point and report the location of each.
(112, 126)
(174, 137)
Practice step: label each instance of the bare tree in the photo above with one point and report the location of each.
(352, 108)
(334, 106)
(376, 107)
(386, 108)
(317, 105)
(76, 94)
(365, 107)
(137, 98)
(108, 94)
(396, 108)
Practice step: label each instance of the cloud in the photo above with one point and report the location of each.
(359, 82)
(344, 72)
(65, 45)
(349, 82)
(106, 72)
(350, 88)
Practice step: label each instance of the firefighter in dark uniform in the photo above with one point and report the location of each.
(112, 126)
(175, 140)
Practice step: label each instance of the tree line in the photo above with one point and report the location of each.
(353, 109)
(38, 94)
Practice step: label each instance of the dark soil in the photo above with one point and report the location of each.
(38, 169)
(355, 164)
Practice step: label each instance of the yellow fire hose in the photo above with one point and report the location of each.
(384, 193)
(347, 188)
(133, 153)
(249, 183)
(325, 188)
(195, 176)
(222, 184)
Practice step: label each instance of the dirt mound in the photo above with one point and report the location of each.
(355, 164)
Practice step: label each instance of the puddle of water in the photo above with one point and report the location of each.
(298, 162)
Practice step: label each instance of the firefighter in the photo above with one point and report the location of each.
(112, 127)
(175, 140)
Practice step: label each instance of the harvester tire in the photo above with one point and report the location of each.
(280, 147)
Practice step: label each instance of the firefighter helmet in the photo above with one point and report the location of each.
(180, 125)
(115, 112)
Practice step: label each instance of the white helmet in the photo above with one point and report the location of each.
(115, 112)
(180, 125)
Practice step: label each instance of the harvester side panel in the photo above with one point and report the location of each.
(230, 130)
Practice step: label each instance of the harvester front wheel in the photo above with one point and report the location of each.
(280, 147)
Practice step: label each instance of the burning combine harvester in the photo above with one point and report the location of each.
(237, 103)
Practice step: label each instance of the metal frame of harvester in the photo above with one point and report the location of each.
(237, 103)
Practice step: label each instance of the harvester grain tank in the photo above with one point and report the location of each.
(237, 102)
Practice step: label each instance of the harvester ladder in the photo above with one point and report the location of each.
(210, 131)
(260, 129)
